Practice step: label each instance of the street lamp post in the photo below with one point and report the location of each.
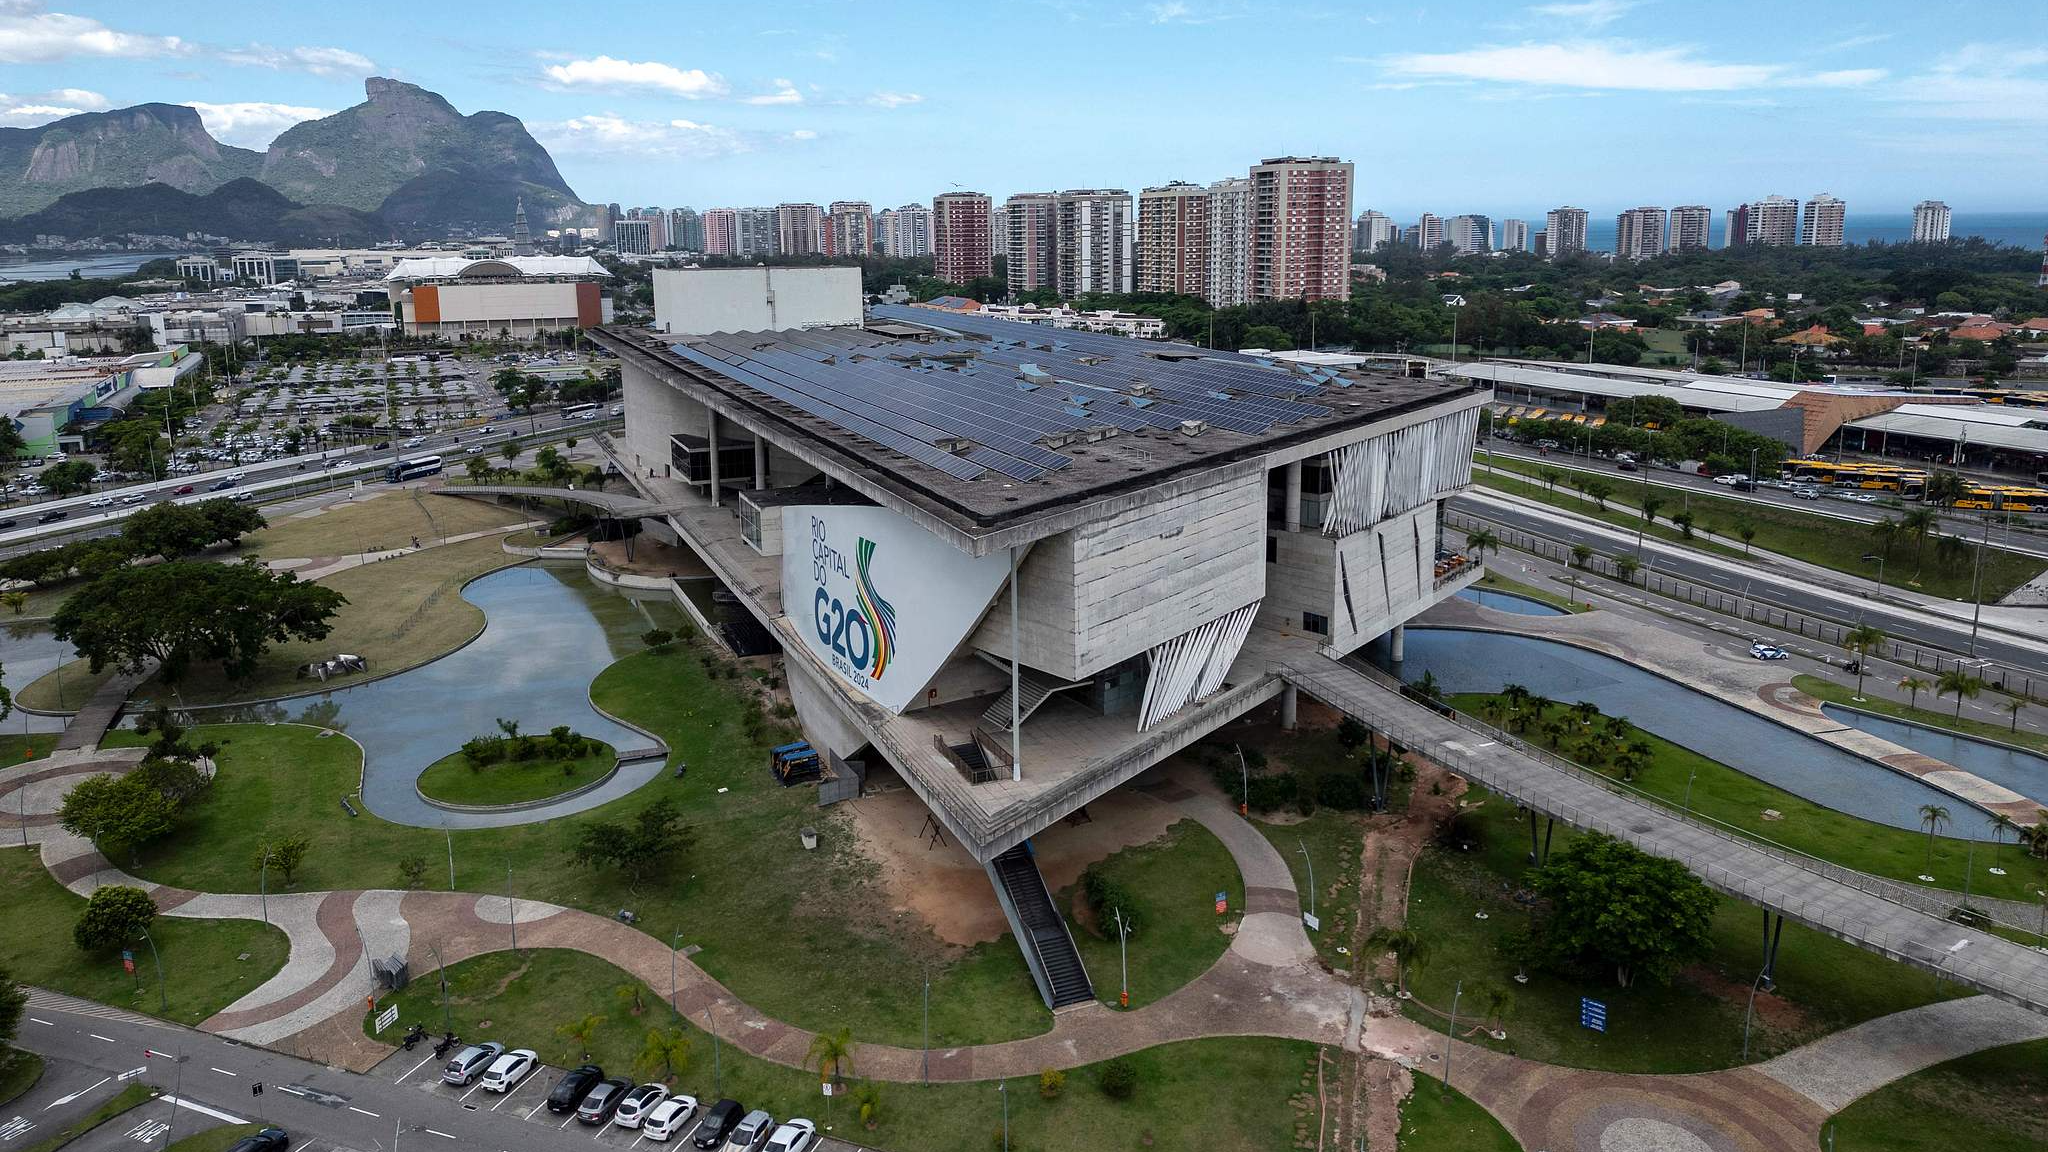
(1686, 807)
(925, 1052)
(674, 943)
(1310, 861)
(1003, 1089)
(450, 833)
(512, 912)
(263, 883)
(1750, 1010)
(440, 969)
(1244, 772)
(1450, 1031)
(163, 996)
(1123, 934)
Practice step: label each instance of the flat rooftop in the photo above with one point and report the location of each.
(995, 421)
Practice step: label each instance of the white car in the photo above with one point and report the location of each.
(1763, 651)
(1863, 497)
(100, 502)
(669, 1118)
(637, 1104)
(508, 1070)
(793, 1136)
(1731, 479)
(133, 498)
(413, 443)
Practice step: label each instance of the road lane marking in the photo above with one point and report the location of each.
(203, 1110)
(75, 1095)
(97, 1036)
(364, 1111)
(413, 1069)
(433, 1132)
(225, 1072)
(38, 1020)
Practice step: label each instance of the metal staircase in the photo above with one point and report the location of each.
(1037, 689)
(1041, 930)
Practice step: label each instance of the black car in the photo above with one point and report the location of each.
(52, 517)
(604, 1099)
(8, 522)
(718, 1124)
(570, 1090)
(268, 1140)
(223, 485)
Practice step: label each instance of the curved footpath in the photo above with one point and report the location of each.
(1267, 983)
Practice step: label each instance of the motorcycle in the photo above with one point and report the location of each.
(413, 1036)
(447, 1042)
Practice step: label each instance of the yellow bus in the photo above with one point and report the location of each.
(2004, 498)
(1910, 483)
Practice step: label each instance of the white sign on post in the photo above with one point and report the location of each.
(827, 1086)
(387, 1017)
(878, 600)
(1309, 918)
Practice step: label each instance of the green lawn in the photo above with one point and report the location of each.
(1736, 799)
(128, 1097)
(1993, 1101)
(1816, 539)
(1693, 1024)
(1433, 1120)
(1334, 840)
(1617, 512)
(19, 1071)
(803, 936)
(390, 520)
(215, 1139)
(21, 747)
(1228, 1094)
(1569, 601)
(1173, 881)
(204, 969)
(1828, 690)
(454, 780)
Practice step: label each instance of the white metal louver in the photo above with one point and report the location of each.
(1192, 665)
(1388, 475)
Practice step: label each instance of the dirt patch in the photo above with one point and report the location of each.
(1775, 1012)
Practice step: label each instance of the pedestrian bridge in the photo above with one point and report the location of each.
(621, 505)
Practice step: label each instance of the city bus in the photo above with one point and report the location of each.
(412, 469)
(578, 411)
(1910, 483)
(2004, 498)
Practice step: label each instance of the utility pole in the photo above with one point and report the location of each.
(1123, 934)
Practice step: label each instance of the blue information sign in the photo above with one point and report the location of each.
(1592, 1014)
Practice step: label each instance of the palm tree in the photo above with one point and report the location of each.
(580, 1031)
(1550, 477)
(1933, 817)
(1625, 567)
(1410, 949)
(510, 451)
(1964, 685)
(1649, 504)
(1746, 529)
(1618, 729)
(629, 993)
(1916, 526)
(1585, 712)
(1951, 552)
(1492, 709)
(2014, 706)
(832, 1052)
(1863, 639)
(1481, 540)
(1913, 686)
(666, 1049)
(1944, 487)
(1633, 759)
(2000, 824)
(1581, 554)
(1428, 688)
(1598, 491)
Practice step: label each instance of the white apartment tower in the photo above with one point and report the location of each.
(1375, 230)
(1429, 231)
(1822, 225)
(1772, 220)
(905, 231)
(1301, 228)
(1930, 222)
(1639, 233)
(1566, 230)
(1514, 236)
(1230, 242)
(799, 230)
(1469, 232)
(1095, 237)
(754, 235)
(1173, 239)
(1030, 240)
(849, 228)
(1690, 225)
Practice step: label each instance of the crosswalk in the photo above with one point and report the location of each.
(50, 1001)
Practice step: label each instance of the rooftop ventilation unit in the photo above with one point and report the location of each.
(1033, 373)
(954, 444)
(1193, 427)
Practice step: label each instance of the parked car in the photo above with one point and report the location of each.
(508, 1070)
(603, 1100)
(570, 1090)
(470, 1063)
(752, 1131)
(1763, 651)
(638, 1103)
(669, 1117)
(268, 1140)
(794, 1136)
(718, 1123)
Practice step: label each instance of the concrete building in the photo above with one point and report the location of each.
(906, 231)
(1015, 628)
(1821, 224)
(51, 402)
(1429, 231)
(1094, 234)
(1173, 239)
(1374, 230)
(1690, 228)
(799, 230)
(1030, 241)
(754, 233)
(1230, 242)
(1104, 320)
(701, 301)
(1930, 222)
(1639, 234)
(635, 237)
(1469, 233)
(1301, 228)
(1737, 227)
(849, 228)
(962, 243)
(686, 230)
(1565, 229)
(264, 268)
(455, 298)
(1771, 220)
(1514, 236)
(721, 232)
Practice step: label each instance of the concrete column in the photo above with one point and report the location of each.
(1291, 512)
(1287, 707)
(760, 462)
(1397, 643)
(711, 446)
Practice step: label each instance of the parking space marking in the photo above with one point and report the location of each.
(364, 1111)
(565, 1121)
(413, 1069)
(508, 1093)
(472, 1090)
(433, 1132)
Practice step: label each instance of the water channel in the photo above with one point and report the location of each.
(1468, 661)
(1509, 602)
(2023, 772)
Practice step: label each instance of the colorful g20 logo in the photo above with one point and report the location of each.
(865, 635)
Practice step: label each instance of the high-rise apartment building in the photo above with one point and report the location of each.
(1374, 230)
(1930, 222)
(1301, 228)
(849, 228)
(1429, 231)
(721, 232)
(799, 230)
(1639, 233)
(961, 240)
(905, 231)
(1822, 225)
(1690, 226)
(1469, 232)
(1230, 242)
(1094, 241)
(634, 237)
(1514, 236)
(686, 230)
(1030, 241)
(1173, 239)
(754, 235)
(1738, 226)
(1566, 229)
(1772, 220)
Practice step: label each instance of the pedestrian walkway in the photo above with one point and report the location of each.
(90, 724)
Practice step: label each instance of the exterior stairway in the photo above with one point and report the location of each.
(1041, 930)
(1037, 689)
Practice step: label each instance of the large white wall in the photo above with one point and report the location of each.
(699, 301)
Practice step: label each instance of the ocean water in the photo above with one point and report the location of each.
(2024, 229)
(90, 265)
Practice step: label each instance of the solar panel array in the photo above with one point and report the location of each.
(990, 395)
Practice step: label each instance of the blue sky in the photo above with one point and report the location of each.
(1447, 107)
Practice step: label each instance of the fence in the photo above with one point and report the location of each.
(2012, 681)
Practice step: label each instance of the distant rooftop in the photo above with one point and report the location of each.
(493, 267)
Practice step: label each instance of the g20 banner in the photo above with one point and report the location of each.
(877, 599)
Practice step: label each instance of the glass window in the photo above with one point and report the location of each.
(1315, 622)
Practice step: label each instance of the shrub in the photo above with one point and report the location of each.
(1105, 896)
(657, 638)
(1118, 1079)
(1341, 790)
(1271, 792)
(1051, 1082)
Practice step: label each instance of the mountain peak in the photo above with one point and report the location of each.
(383, 91)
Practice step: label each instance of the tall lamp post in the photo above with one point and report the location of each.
(674, 943)
(1123, 934)
(447, 1016)
(163, 996)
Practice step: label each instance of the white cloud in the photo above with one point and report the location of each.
(1609, 65)
(803, 134)
(318, 61)
(894, 99)
(253, 123)
(785, 93)
(609, 134)
(29, 34)
(606, 72)
(1180, 12)
(1991, 84)
(43, 107)
(1845, 78)
(1594, 13)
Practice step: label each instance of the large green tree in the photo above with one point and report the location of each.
(13, 1002)
(638, 847)
(184, 611)
(175, 531)
(117, 812)
(1617, 908)
(113, 916)
(70, 477)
